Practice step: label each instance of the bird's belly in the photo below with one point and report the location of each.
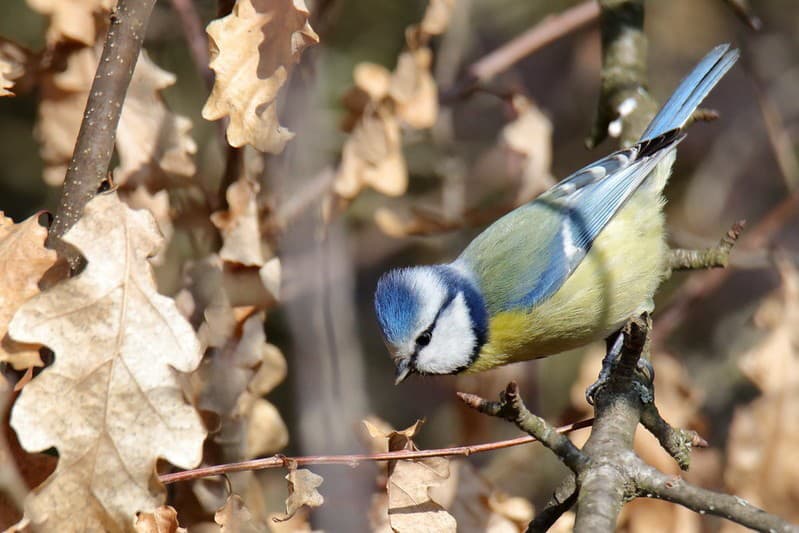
(616, 279)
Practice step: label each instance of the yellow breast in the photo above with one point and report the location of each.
(616, 279)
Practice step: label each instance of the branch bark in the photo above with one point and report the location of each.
(95, 144)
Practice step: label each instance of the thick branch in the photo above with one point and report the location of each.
(95, 144)
(654, 483)
(625, 107)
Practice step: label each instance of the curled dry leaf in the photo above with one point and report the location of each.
(12, 65)
(302, 491)
(232, 381)
(373, 157)
(379, 102)
(240, 226)
(252, 51)
(164, 519)
(234, 517)
(153, 143)
(23, 261)
(530, 136)
(72, 20)
(111, 402)
(477, 505)
(762, 456)
(410, 506)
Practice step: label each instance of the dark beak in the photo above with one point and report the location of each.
(403, 370)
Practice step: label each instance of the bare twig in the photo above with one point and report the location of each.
(677, 442)
(545, 32)
(702, 284)
(715, 257)
(743, 9)
(511, 407)
(196, 38)
(95, 144)
(280, 461)
(563, 499)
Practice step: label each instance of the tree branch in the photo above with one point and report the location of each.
(654, 483)
(715, 257)
(281, 461)
(95, 144)
(545, 32)
(625, 107)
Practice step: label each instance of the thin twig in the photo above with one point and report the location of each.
(545, 32)
(702, 284)
(716, 257)
(95, 144)
(192, 26)
(279, 461)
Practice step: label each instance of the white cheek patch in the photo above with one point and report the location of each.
(452, 343)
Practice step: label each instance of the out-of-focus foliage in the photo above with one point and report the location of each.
(372, 163)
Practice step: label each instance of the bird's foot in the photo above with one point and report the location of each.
(643, 367)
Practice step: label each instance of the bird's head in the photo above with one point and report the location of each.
(433, 318)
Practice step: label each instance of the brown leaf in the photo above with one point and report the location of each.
(234, 517)
(252, 52)
(762, 456)
(23, 261)
(410, 506)
(72, 20)
(153, 143)
(477, 505)
(372, 156)
(437, 16)
(13, 60)
(302, 491)
(111, 402)
(239, 226)
(163, 520)
(232, 380)
(414, 90)
(530, 136)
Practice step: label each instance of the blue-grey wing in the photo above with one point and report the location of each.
(527, 255)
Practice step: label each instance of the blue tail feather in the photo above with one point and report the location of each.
(691, 91)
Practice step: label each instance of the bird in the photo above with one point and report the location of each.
(557, 273)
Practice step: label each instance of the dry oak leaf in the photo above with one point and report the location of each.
(111, 403)
(153, 143)
(239, 226)
(411, 507)
(232, 380)
(372, 156)
(13, 60)
(477, 505)
(23, 261)
(234, 517)
(72, 19)
(414, 90)
(302, 491)
(252, 51)
(163, 520)
(762, 456)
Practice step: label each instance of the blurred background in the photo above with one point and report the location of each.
(465, 171)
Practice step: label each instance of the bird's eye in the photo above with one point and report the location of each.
(424, 338)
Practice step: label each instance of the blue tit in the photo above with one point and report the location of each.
(557, 273)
